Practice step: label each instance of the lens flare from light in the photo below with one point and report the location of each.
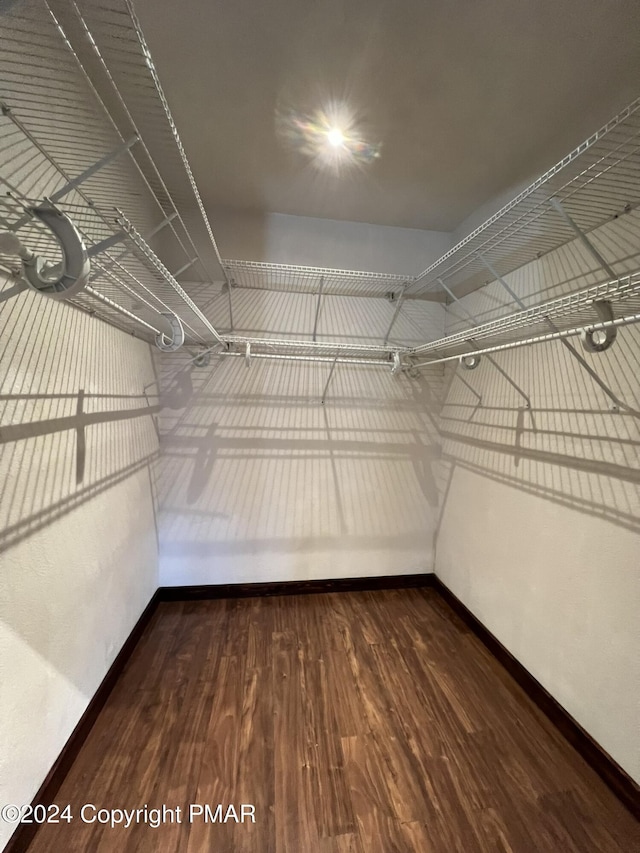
(330, 138)
(335, 137)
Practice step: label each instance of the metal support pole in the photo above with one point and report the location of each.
(617, 403)
(109, 242)
(454, 298)
(560, 335)
(228, 286)
(499, 278)
(395, 314)
(315, 322)
(108, 158)
(161, 225)
(586, 242)
(502, 372)
(471, 388)
(105, 244)
(473, 344)
(184, 267)
(326, 387)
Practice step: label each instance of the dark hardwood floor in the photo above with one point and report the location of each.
(362, 722)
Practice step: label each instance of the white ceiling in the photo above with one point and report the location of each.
(468, 97)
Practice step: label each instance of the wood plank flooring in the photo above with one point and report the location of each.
(364, 722)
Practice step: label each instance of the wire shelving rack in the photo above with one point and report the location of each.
(598, 180)
(82, 104)
(565, 317)
(290, 278)
(63, 113)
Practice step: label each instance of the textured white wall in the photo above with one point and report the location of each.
(281, 239)
(261, 482)
(540, 529)
(78, 544)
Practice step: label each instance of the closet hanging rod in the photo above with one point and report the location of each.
(536, 339)
(556, 309)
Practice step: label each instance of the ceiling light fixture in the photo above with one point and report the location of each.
(332, 137)
(335, 137)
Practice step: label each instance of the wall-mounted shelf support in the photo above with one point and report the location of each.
(184, 267)
(471, 389)
(74, 183)
(617, 403)
(106, 244)
(120, 237)
(171, 343)
(228, 285)
(499, 279)
(329, 378)
(586, 242)
(599, 341)
(395, 314)
(58, 280)
(318, 304)
(469, 364)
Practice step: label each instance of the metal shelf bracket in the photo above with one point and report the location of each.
(55, 280)
(471, 362)
(594, 340)
(329, 378)
(586, 242)
(227, 286)
(173, 343)
(318, 304)
(80, 179)
(589, 334)
(395, 313)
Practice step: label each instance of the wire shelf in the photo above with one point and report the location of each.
(135, 294)
(135, 89)
(62, 113)
(78, 90)
(254, 275)
(546, 321)
(597, 181)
